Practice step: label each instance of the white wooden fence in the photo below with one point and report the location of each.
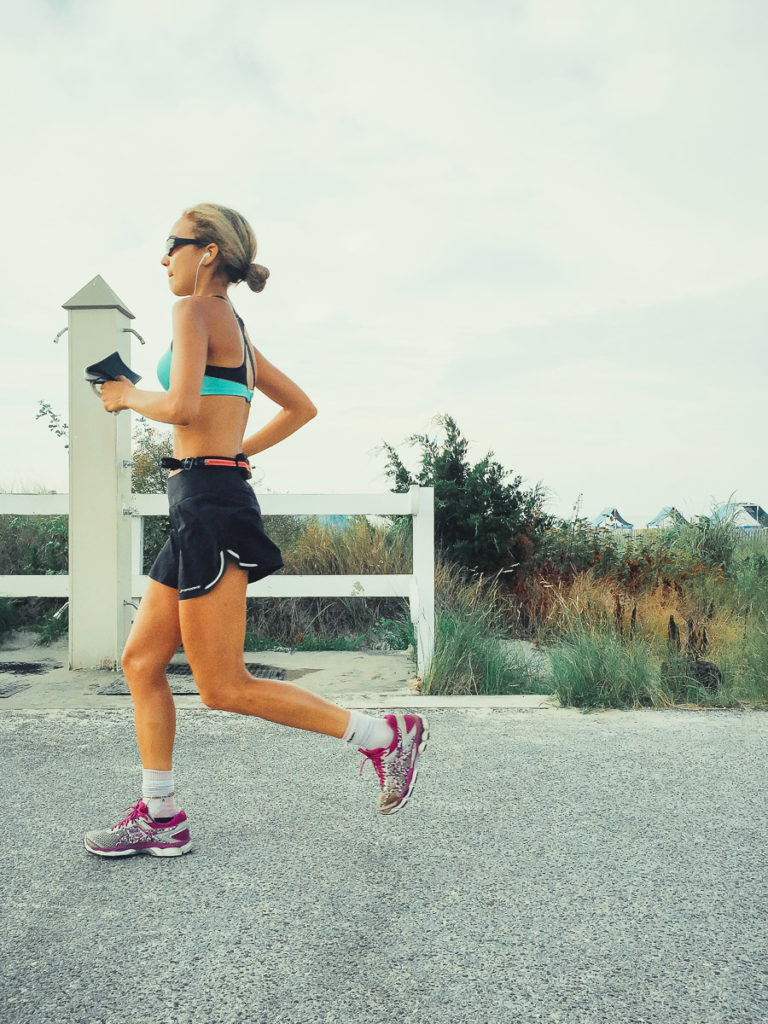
(105, 518)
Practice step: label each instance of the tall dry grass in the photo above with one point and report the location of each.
(610, 643)
(310, 547)
(472, 653)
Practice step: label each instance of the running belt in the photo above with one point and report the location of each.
(239, 462)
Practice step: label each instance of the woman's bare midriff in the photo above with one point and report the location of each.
(218, 429)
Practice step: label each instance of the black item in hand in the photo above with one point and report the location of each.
(110, 368)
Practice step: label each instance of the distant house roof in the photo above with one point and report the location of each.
(742, 515)
(611, 519)
(336, 522)
(669, 512)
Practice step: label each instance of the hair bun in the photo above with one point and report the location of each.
(256, 277)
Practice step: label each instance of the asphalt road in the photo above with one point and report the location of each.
(551, 867)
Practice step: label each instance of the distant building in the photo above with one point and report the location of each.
(742, 515)
(336, 522)
(342, 522)
(611, 519)
(669, 516)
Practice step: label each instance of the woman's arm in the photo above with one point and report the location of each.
(180, 404)
(286, 422)
(296, 409)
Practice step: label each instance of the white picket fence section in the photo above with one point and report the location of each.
(105, 519)
(416, 587)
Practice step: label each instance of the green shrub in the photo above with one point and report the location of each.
(8, 617)
(593, 669)
(471, 658)
(471, 655)
(33, 545)
(481, 522)
(394, 634)
(51, 627)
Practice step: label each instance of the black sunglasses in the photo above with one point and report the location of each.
(173, 242)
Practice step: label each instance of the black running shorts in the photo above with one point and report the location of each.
(214, 517)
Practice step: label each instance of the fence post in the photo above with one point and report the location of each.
(99, 485)
(423, 591)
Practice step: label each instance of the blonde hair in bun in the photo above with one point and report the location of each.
(256, 277)
(235, 239)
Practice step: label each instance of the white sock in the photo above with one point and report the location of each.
(157, 793)
(368, 732)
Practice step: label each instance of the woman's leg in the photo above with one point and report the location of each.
(213, 633)
(154, 638)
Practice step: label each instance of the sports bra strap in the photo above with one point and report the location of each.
(237, 374)
(246, 346)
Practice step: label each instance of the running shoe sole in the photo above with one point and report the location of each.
(154, 851)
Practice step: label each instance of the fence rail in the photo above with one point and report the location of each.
(417, 586)
(105, 517)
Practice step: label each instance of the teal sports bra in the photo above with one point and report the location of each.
(217, 380)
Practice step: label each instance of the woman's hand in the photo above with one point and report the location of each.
(114, 394)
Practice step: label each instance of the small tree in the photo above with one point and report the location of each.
(149, 447)
(480, 521)
(149, 477)
(55, 423)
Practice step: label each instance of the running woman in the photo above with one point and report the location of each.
(217, 545)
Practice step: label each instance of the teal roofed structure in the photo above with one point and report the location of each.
(669, 516)
(742, 515)
(335, 522)
(611, 519)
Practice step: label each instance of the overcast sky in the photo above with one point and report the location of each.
(544, 218)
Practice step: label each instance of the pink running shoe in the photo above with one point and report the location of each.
(396, 766)
(139, 833)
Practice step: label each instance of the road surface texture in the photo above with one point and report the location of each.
(551, 867)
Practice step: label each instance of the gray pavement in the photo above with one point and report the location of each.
(551, 867)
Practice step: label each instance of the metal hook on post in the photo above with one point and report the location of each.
(62, 331)
(130, 330)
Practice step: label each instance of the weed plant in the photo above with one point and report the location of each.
(595, 668)
(609, 627)
(34, 545)
(51, 627)
(31, 545)
(312, 548)
(472, 654)
(603, 607)
(8, 617)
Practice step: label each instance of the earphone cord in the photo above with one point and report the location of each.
(194, 290)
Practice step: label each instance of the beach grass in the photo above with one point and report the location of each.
(672, 618)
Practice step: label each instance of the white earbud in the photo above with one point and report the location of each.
(202, 261)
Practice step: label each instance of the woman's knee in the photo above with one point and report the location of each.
(143, 664)
(215, 697)
(216, 700)
(218, 688)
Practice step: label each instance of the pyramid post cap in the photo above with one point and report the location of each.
(97, 295)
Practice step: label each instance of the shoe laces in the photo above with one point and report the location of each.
(376, 759)
(138, 810)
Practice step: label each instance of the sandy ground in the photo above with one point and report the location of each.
(354, 679)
